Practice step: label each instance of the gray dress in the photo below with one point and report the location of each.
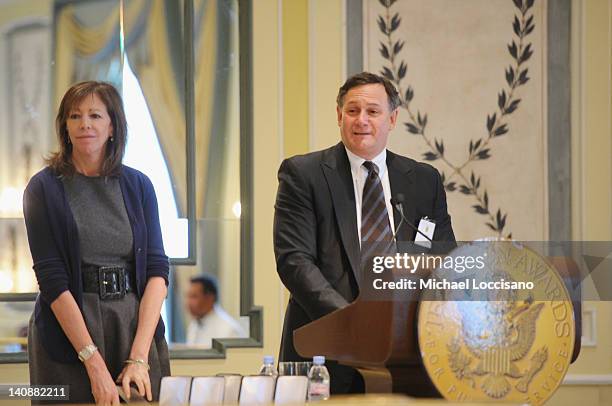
(105, 238)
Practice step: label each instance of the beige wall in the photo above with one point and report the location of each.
(319, 33)
(592, 186)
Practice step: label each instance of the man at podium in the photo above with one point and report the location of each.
(334, 204)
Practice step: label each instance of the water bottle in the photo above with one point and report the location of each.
(318, 380)
(268, 367)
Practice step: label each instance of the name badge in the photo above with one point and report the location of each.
(427, 227)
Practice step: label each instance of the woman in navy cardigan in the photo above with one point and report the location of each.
(95, 238)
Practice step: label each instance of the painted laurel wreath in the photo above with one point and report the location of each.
(516, 75)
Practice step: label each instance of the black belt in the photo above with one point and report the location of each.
(110, 282)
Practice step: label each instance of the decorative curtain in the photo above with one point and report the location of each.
(154, 46)
(205, 43)
(86, 52)
(156, 59)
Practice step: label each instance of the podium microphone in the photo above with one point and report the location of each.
(398, 203)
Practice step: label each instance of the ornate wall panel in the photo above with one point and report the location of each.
(473, 80)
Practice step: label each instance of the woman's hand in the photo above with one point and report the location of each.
(139, 374)
(137, 371)
(103, 388)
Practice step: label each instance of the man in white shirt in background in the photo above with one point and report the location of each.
(210, 320)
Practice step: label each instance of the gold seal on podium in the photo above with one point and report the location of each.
(504, 338)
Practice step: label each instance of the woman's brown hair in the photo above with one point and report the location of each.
(61, 161)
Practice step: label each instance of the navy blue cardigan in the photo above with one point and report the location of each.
(54, 244)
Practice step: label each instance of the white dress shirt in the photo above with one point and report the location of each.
(360, 173)
(216, 324)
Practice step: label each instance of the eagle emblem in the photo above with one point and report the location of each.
(496, 335)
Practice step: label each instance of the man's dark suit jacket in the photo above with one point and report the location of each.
(315, 230)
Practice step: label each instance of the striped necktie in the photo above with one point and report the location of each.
(376, 232)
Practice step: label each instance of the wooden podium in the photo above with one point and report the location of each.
(379, 339)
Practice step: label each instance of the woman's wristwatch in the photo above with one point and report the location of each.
(87, 352)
